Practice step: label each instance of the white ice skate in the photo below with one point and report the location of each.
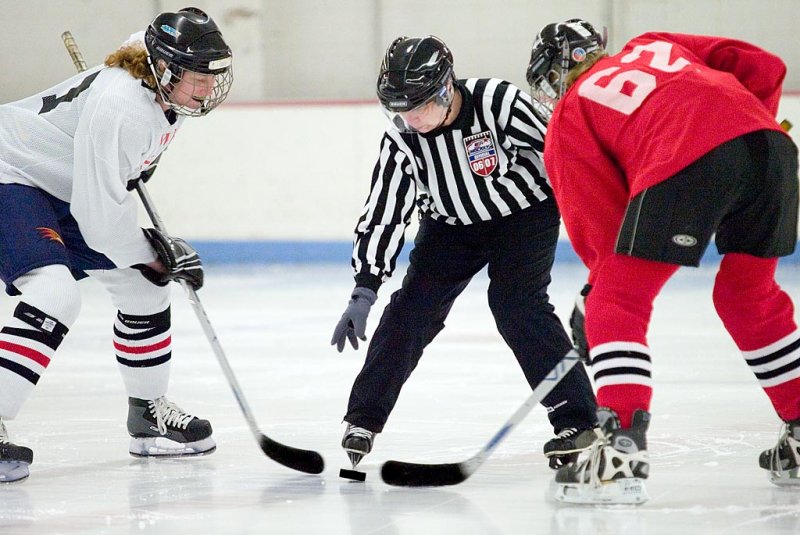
(616, 468)
(159, 428)
(783, 461)
(14, 460)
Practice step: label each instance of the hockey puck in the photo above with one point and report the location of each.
(355, 475)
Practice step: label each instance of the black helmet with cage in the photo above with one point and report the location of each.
(189, 40)
(414, 72)
(557, 48)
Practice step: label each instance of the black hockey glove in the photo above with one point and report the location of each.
(180, 259)
(577, 322)
(353, 324)
(144, 176)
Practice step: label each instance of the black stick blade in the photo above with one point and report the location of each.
(306, 461)
(401, 474)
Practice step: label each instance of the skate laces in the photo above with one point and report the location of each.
(168, 414)
(596, 450)
(593, 462)
(359, 432)
(569, 432)
(775, 461)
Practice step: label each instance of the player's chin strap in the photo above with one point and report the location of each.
(449, 106)
(562, 79)
(446, 115)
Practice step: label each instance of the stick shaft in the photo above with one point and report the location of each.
(74, 51)
(434, 475)
(202, 317)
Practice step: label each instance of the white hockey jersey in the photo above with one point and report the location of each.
(81, 141)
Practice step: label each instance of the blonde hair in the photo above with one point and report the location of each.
(584, 66)
(134, 60)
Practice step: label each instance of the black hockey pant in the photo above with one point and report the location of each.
(519, 250)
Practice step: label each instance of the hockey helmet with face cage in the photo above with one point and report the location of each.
(188, 40)
(557, 48)
(414, 72)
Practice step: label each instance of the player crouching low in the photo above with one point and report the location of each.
(645, 194)
(68, 213)
(427, 156)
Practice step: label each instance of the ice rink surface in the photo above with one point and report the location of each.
(710, 421)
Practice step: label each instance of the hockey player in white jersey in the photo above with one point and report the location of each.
(69, 157)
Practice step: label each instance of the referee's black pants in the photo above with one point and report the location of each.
(519, 250)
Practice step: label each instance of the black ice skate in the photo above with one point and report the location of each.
(617, 466)
(564, 448)
(162, 429)
(14, 460)
(357, 442)
(783, 461)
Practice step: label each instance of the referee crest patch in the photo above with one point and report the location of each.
(481, 153)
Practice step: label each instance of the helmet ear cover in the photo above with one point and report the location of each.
(557, 49)
(167, 76)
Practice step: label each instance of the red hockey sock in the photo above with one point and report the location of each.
(753, 307)
(625, 400)
(759, 316)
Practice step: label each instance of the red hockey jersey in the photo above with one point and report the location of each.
(639, 117)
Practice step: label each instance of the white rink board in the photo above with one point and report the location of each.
(280, 172)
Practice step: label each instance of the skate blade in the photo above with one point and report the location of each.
(355, 457)
(164, 447)
(13, 471)
(788, 478)
(625, 491)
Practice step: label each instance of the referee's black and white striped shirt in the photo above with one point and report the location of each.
(486, 165)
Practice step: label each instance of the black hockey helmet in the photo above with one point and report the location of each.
(189, 40)
(415, 70)
(557, 48)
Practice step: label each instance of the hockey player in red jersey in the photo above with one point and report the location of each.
(650, 152)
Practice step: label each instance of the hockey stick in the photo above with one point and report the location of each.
(74, 51)
(303, 460)
(403, 474)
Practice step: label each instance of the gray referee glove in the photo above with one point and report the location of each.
(353, 324)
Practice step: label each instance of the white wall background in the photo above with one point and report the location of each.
(270, 172)
(330, 50)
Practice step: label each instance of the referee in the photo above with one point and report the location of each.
(468, 154)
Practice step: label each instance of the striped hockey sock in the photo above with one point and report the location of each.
(622, 377)
(27, 343)
(143, 345)
(777, 368)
